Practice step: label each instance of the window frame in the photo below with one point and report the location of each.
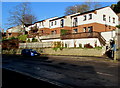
(85, 17)
(104, 17)
(113, 20)
(90, 16)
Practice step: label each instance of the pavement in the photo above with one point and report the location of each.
(66, 71)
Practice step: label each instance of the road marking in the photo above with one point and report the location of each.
(104, 74)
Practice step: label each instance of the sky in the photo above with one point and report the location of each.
(42, 10)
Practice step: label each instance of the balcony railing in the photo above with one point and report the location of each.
(84, 35)
(80, 35)
(50, 36)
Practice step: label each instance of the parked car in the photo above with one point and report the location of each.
(29, 52)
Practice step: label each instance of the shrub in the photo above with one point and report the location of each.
(22, 37)
(63, 31)
(58, 45)
(12, 37)
(28, 40)
(118, 26)
(80, 45)
(65, 45)
(34, 40)
(98, 47)
(88, 46)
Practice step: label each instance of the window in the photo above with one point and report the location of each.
(51, 23)
(9, 33)
(53, 32)
(113, 20)
(84, 29)
(41, 31)
(90, 16)
(85, 17)
(90, 29)
(104, 17)
(62, 23)
(75, 30)
(75, 22)
(55, 22)
(109, 18)
(109, 27)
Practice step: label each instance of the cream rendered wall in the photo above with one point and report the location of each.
(57, 25)
(67, 21)
(83, 41)
(108, 12)
(98, 17)
(87, 21)
(70, 42)
(108, 35)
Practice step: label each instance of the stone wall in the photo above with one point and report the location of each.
(66, 51)
(79, 52)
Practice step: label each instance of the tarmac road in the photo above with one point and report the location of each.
(65, 71)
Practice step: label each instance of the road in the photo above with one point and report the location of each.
(65, 71)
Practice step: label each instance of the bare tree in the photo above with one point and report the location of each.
(92, 4)
(86, 6)
(21, 15)
(77, 8)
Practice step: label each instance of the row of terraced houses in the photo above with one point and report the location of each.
(94, 27)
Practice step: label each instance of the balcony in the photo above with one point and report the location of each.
(54, 36)
(80, 35)
(84, 35)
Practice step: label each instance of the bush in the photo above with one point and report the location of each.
(58, 45)
(65, 45)
(88, 46)
(118, 26)
(98, 47)
(63, 31)
(28, 40)
(22, 37)
(80, 45)
(34, 40)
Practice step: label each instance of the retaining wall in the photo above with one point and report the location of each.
(66, 51)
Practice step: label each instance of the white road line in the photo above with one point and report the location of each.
(104, 74)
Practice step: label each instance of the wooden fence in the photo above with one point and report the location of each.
(36, 45)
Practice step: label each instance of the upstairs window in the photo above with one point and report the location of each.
(85, 17)
(62, 23)
(90, 16)
(55, 22)
(113, 20)
(104, 17)
(75, 22)
(109, 18)
(51, 23)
